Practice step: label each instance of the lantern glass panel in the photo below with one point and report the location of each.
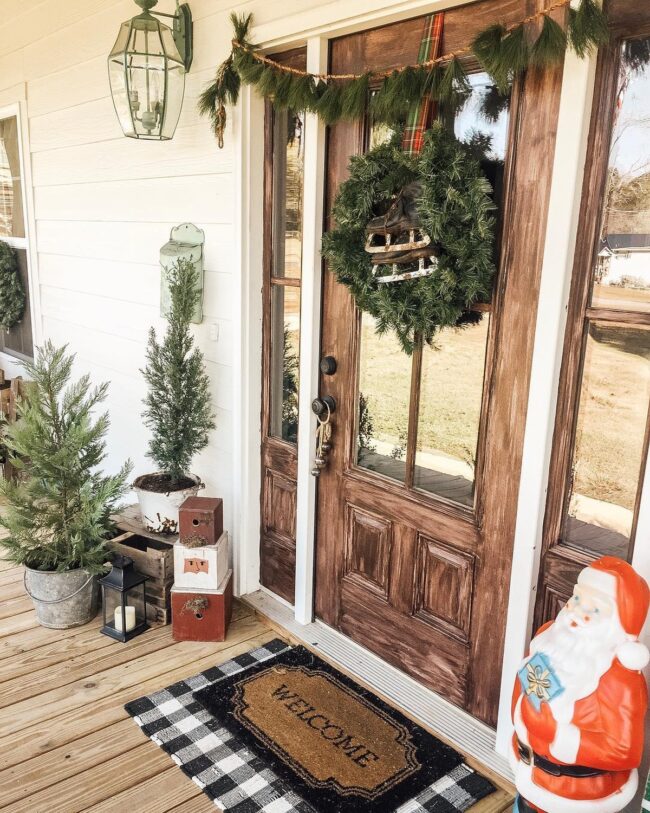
(147, 78)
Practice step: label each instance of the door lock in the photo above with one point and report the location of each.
(328, 365)
(323, 409)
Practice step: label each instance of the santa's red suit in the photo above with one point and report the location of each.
(580, 699)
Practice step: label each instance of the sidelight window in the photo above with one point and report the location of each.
(286, 265)
(610, 436)
(419, 417)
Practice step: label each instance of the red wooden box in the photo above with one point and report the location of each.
(200, 521)
(202, 615)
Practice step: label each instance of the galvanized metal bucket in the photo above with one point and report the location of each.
(62, 599)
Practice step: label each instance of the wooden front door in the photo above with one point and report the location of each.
(416, 508)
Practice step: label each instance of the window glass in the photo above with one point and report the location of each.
(622, 271)
(609, 441)
(288, 139)
(11, 201)
(451, 392)
(285, 355)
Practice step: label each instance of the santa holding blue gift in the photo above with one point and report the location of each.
(580, 698)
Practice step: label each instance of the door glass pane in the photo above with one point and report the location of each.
(610, 435)
(288, 153)
(384, 391)
(285, 355)
(11, 199)
(622, 272)
(450, 410)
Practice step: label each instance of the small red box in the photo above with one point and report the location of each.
(202, 615)
(200, 521)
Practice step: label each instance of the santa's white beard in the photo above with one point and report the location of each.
(579, 656)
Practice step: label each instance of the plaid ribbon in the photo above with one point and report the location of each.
(420, 117)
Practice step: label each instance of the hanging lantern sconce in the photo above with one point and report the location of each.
(146, 70)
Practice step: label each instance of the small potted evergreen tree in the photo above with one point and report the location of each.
(58, 512)
(178, 408)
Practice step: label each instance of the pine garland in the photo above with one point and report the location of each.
(12, 293)
(503, 52)
(455, 210)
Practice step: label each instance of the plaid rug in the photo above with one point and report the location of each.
(236, 779)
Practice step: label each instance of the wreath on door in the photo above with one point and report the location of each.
(427, 219)
(12, 293)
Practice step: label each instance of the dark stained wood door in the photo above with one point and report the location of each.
(416, 508)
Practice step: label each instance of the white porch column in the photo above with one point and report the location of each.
(310, 308)
(561, 230)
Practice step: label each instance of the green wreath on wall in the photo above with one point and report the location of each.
(12, 293)
(455, 209)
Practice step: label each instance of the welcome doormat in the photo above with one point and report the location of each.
(279, 730)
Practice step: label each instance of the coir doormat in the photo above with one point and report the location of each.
(278, 729)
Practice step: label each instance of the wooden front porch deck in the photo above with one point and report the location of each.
(66, 743)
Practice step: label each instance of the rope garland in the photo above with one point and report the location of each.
(503, 51)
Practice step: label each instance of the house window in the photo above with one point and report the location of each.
(609, 445)
(13, 230)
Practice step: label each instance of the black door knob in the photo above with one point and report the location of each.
(319, 405)
(328, 365)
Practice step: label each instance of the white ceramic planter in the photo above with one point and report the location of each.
(159, 511)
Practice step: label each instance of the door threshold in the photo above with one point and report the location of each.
(469, 735)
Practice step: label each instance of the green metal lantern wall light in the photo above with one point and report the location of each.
(147, 68)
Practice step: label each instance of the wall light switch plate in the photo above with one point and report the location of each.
(213, 333)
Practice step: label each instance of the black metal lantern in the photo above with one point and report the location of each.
(147, 68)
(124, 601)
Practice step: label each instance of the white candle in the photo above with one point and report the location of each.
(130, 618)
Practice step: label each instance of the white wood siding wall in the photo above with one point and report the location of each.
(104, 204)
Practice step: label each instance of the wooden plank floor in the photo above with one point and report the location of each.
(66, 743)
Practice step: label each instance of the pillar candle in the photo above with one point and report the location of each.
(130, 618)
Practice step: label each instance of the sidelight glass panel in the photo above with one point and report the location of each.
(383, 410)
(610, 435)
(622, 269)
(285, 355)
(11, 200)
(288, 155)
(451, 393)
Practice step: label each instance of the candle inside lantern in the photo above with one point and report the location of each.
(130, 618)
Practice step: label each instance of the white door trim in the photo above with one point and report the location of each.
(310, 323)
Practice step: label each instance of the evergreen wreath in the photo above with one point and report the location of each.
(455, 210)
(12, 293)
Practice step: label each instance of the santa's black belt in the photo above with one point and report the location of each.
(528, 756)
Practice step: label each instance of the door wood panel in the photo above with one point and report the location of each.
(431, 597)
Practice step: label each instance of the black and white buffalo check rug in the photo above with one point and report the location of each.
(278, 730)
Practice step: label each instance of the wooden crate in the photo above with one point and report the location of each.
(154, 559)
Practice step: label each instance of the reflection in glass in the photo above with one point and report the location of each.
(609, 440)
(288, 155)
(11, 201)
(450, 411)
(285, 355)
(384, 391)
(622, 272)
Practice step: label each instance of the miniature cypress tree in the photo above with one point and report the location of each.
(178, 408)
(12, 293)
(58, 512)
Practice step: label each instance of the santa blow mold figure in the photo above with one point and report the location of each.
(580, 699)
